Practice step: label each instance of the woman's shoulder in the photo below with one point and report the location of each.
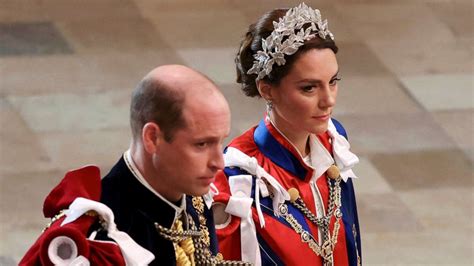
(245, 142)
(339, 127)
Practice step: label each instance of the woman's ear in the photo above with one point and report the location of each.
(265, 90)
(151, 137)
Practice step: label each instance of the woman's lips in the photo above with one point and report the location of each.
(322, 117)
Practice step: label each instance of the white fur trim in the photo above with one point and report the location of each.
(62, 250)
(133, 253)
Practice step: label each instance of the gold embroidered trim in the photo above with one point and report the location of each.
(354, 233)
(54, 219)
(203, 253)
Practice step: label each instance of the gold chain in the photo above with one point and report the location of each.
(326, 249)
(329, 241)
(203, 253)
(63, 213)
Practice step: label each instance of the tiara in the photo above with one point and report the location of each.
(290, 26)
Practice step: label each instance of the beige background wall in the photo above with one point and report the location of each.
(67, 68)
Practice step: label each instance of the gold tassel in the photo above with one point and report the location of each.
(181, 258)
(185, 250)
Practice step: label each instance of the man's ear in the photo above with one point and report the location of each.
(152, 136)
(265, 90)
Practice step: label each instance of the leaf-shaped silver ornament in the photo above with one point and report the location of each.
(264, 44)
(309, 37)
(269, 66)
(261, 56)
(288, 35)
(324, 25)
(254, 69)
(291, 49)
(279, 58)
(331, 35)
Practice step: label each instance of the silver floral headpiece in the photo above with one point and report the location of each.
(290, 26)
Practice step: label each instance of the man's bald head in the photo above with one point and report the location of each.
(181, 78)
(162, 95)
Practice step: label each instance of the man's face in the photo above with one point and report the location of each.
(187, 164)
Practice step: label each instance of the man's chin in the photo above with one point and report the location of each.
(200, 192)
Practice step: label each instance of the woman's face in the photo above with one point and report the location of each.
(304, 99)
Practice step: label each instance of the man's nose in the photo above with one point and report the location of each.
(217, 160)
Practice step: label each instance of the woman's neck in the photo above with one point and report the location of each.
(299, 139)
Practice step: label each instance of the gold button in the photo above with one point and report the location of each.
(333, 172)
(294, 194)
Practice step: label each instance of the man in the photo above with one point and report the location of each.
(158, 192)
(179, 120)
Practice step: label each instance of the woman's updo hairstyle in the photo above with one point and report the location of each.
(252, 43)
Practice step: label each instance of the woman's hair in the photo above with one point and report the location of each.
(252, 43)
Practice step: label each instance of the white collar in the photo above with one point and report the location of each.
(320, 157)
(127, 156)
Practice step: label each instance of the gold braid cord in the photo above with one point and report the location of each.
(203, 253)
(182, 241)
(184, 251)
(192, 246)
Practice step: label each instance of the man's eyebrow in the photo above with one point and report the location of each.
(207, 138)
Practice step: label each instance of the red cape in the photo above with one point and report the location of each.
(84, 182)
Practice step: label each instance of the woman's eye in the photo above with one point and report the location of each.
(334, 81)
(308, 88)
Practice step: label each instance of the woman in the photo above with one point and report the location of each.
(286, 195)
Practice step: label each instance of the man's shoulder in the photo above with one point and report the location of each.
(116, 175)
(113, 185)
